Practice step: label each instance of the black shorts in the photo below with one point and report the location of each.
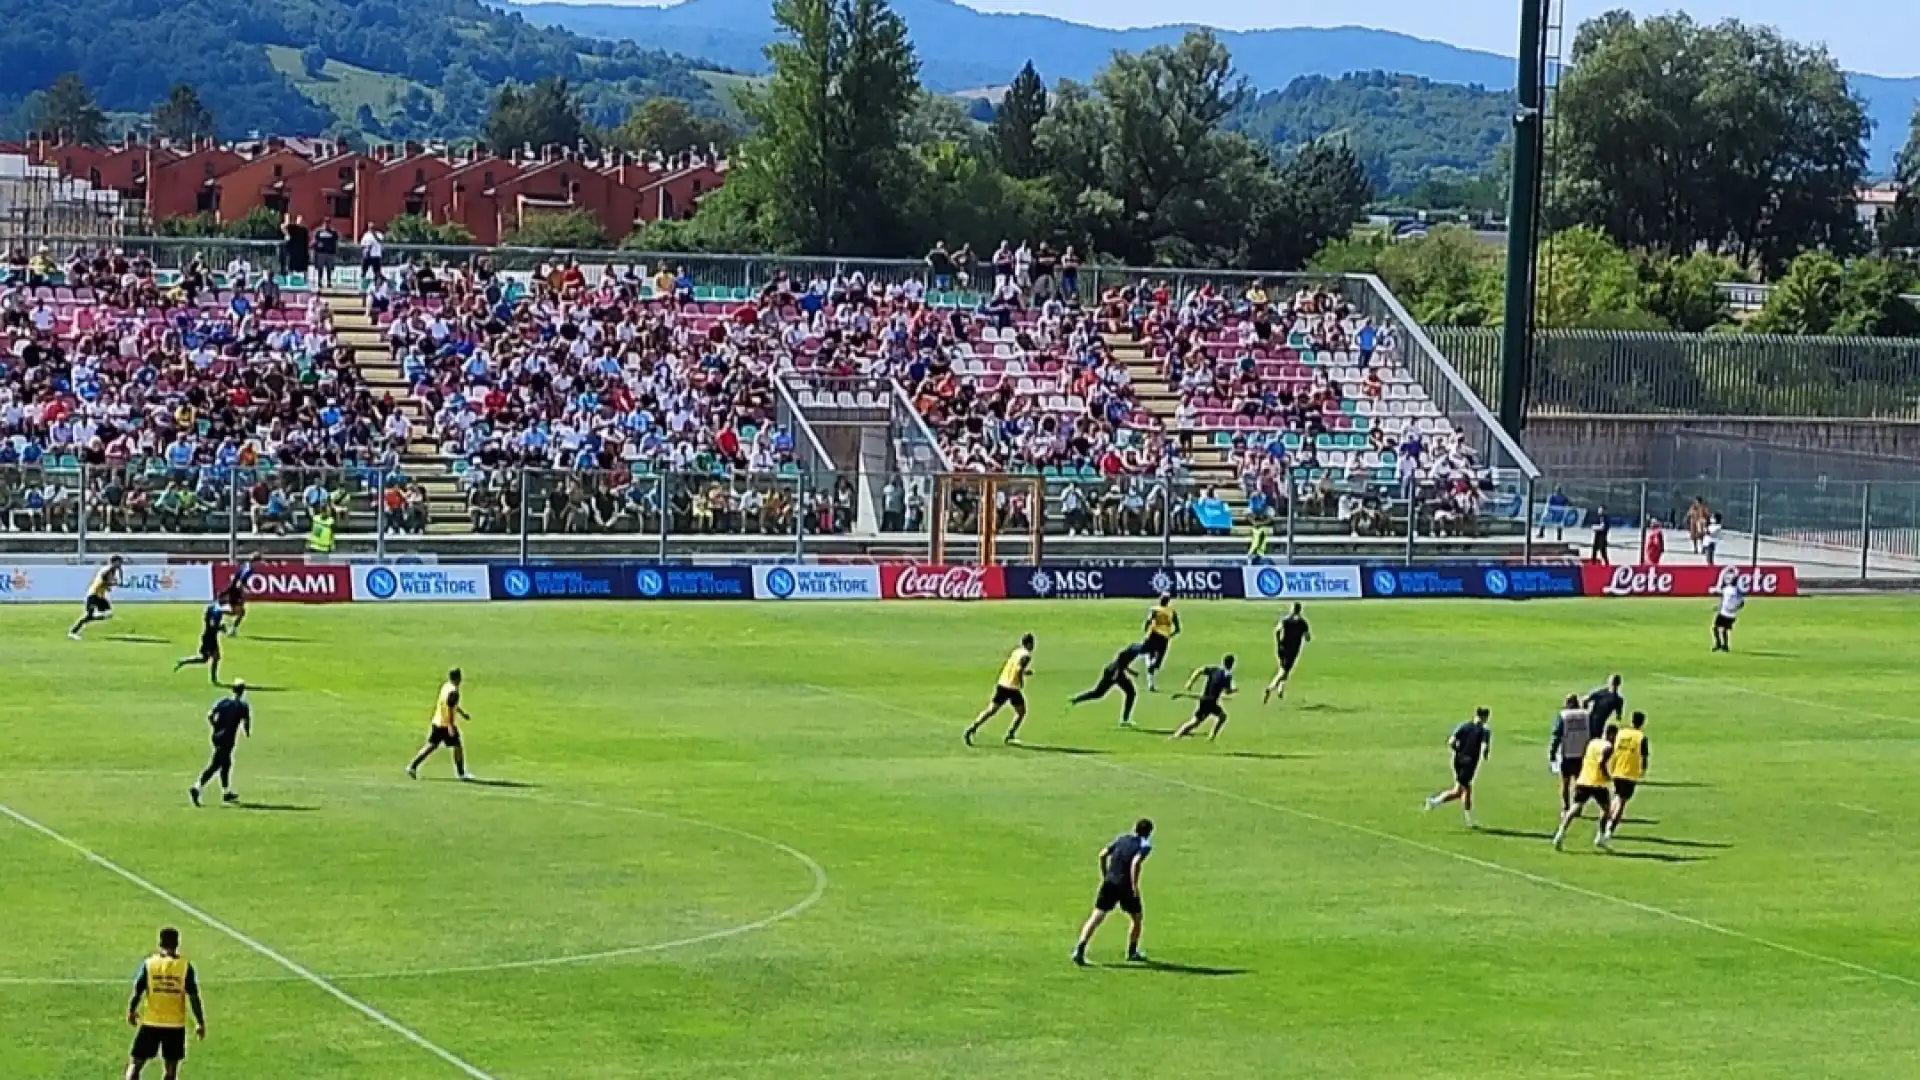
(1209, 710)
(166, 1043)
(1463, 770)
(443, 736)
(1624, 789)
(235, 600)
(1114, 894)
(1723, 622)
(1007, 695)
(1583, 794)
(1569, 768)
(209, 645)
(1156, 647)
(99, 605)
(1288, 658)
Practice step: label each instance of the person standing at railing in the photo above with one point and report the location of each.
(1654, 546)
(326, 249)
(320, 534)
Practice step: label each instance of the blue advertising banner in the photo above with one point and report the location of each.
(690, 582)
(1083, 582)
(1503, 582)
(558, 583)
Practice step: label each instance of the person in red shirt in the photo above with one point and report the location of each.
(1655, 544)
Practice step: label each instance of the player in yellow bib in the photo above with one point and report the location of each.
(1162, 626)
(445, 730)
(164, 989)
(1010, 689)
(1628, 766)
(1590, 786)
(100, 596)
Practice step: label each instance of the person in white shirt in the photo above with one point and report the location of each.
(372, 252)
(1732, 599)
(1710, 543)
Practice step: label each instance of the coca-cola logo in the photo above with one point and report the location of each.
(1639, 581)
(941, 583)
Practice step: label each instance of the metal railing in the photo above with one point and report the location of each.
(1734, 374)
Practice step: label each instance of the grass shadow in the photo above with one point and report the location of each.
(1664, 842)
(136, 639)
(1320, 706)
(276, 640)
(1770, 654)
(274, 807)
(1258, 756)
(1692, 784)
(1042, 748)
(253, 688)
(1513, 834)
(479, 782)
(1169, 968)
(1150, 730)
(1657, 856)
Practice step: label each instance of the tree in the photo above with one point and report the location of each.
(313, 61)
(182, 118)
(1021, 109)
(1587, 281)
(1674, 136)
(826, 168)
(419, 229)
(570, 229)
(662, 125)
(67, 111)
(1901, 230)
(542, 115)
(1447, 277)
(1321, 192)
(1806, 300)
(1685, 293)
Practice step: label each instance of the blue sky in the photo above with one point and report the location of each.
(1878, 37)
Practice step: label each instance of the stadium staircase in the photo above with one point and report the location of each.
(1207, 463)
(422, 461)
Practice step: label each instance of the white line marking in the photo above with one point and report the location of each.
(795, 910)
(1858, 809)
(1808, 703)
(1485, 864)
(209, 921)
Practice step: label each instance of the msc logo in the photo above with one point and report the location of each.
(650, 583)
(1497, 582)
(1385, 583)
(516, 582)
(381, 583)
(780, 582)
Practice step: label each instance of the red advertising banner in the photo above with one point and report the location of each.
(918, 581)
(1603, 580)
(290, 583)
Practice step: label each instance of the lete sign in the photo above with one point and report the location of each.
(1302, 582)
(1602, 580)
(289, 583)
(916, 581)
(807, 582)
(406, 583)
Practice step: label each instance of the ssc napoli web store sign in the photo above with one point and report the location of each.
(692, 582)
(1301, 582)
(1498, 582)
(139, 583)
(556, 583)
(410, 583)
(1122, 582)
(798, 582)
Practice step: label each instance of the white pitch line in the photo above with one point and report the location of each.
(1432, 849)
(1858, 809)
(209, 921)
(1807, 703)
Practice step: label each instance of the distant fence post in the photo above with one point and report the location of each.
(233, 515)
(1413, 523)
(525, 476)
(85, 500)
(1643, 515)
(1754, 560)
(380, 515)
(664, 501)
(1526, 526)
(1866, 527)
(1291, 510)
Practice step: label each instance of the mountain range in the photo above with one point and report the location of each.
(962, 49)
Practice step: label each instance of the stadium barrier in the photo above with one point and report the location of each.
(289, 583)
(1601, 580)
(923, 581)
(621, 581)
(1093, 582)
(139, 583)
(800, 581)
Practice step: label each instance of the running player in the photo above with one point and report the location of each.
(1162, 626)
(1290, 635)
(1732, 599)
(1219, 684)
(210, 619)
(100, 596)
(1591, 788)
(1120, 865)
(229, 717)
(1631, 758)
(1605, 705)
(1009, 689)
(1117, 673)
(235, 595)
(1572, 729)
(1471, 744)
(164, 988)
(445, 731)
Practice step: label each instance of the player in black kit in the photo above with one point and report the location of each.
(1120, 864)
(1117, 673)
(1288, 638)
(1219, 684)
(1471, 744)
(229, 717)
(210, 620)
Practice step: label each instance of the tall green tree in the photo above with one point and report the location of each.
(1901, 230)
(67, 111)
(827, 167)
(1674, 136)
(542, 115)
(568, 229)
(661, 125)
(1021, 109)
(1320, 193)
(182, 117)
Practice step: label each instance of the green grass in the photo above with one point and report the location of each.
(1757, 925)
(726, 85)
(342, 88)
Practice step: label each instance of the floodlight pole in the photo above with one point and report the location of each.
(1523, 216)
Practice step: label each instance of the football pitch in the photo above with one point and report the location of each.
(746, 841)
